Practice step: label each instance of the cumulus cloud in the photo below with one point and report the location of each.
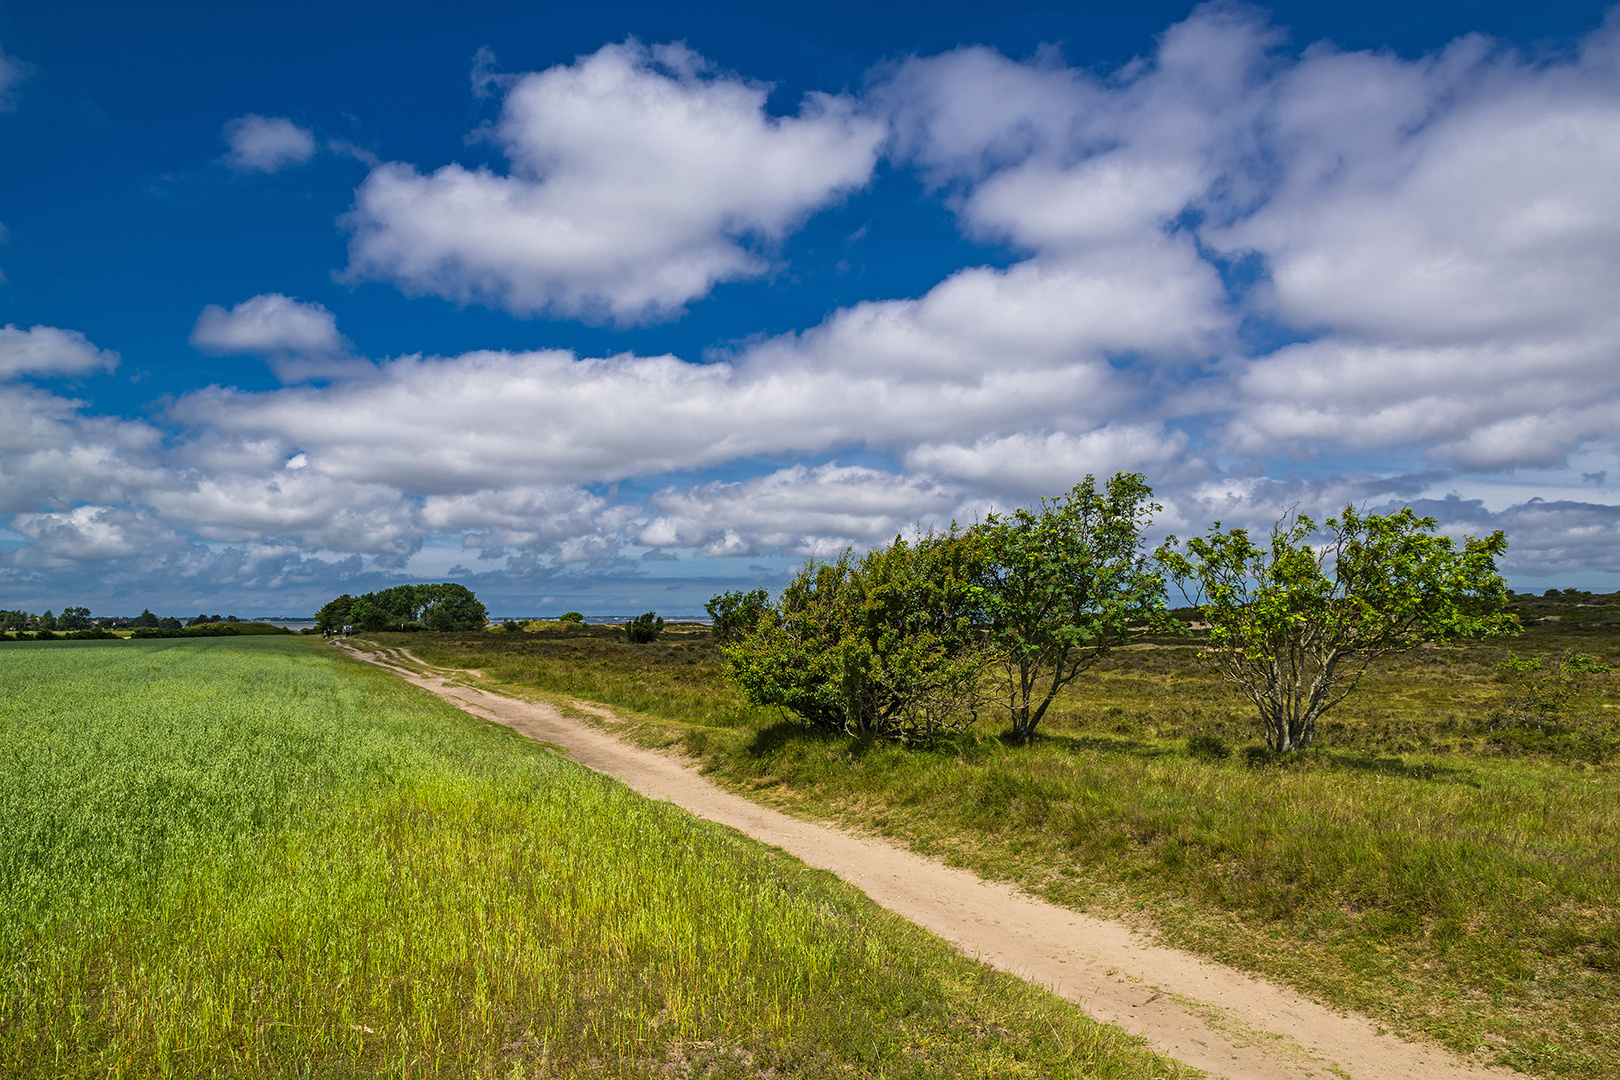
(50, 352)
(795, 511)
(266, 325)
(1027, 466)
(266, 144)
(1546, 537)
(1448, 229)
(89, 534)
(299, 339)
(638, 177)
(568, 522)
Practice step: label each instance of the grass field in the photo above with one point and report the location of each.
(252, 857)
(1452, 876)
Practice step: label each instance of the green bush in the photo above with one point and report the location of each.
(643, 628)
(884, 645)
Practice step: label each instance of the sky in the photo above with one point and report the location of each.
(613, 307)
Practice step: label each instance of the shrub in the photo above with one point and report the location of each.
(643, 628)
(883, 646)
(571, 616)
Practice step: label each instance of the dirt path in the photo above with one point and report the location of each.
(1204, 1014)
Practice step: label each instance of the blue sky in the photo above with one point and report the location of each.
(610, 307)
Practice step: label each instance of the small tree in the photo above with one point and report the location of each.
(74, 618)
(736, 613)
(883, 645)
(1064, 585)
(1294, 627)
(644, 628)
(334, 614)
(571, 617)
(450, 606)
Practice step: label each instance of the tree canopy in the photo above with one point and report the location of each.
(883, 644)
(445, 606)
(1294, 626)
(1063, 585)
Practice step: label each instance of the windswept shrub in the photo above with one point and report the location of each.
(643, 628)
(884, 645)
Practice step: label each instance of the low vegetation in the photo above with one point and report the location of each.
(1443, 858)
(251, 857)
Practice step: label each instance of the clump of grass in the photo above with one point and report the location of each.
(250, 857)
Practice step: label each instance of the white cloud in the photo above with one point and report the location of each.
(266, 144)
(311, 509)
(568, 521)
(89, 534)
(50, 352)
(636, 178)
(796, 511)
(266, 325)
(1026, 466)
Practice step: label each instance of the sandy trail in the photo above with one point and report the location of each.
(1198, 1012)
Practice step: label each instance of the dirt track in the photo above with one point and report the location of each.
(1207, 1015)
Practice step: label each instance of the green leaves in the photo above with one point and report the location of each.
(1062, 586)
(446, 606)
(644, 628)
(1294, 624)
(884, 644)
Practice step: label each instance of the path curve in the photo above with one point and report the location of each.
(1204, 1014)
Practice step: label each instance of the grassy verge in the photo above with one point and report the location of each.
(249, 857)
(1451, 877)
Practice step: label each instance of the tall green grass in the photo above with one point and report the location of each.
(1453, 879)
(249, 857)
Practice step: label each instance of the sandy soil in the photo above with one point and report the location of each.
(1202, 1013)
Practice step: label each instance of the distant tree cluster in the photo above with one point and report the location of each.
(72, 618)
(916, 639)
(446, 606)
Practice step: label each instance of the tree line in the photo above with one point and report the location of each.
(920, 638)
(78, 619)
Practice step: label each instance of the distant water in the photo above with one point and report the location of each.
(290, 624)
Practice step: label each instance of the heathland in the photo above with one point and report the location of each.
(1446, 859)
(253, 857)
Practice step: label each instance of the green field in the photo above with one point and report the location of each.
(253, 857)
(1451, 874)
